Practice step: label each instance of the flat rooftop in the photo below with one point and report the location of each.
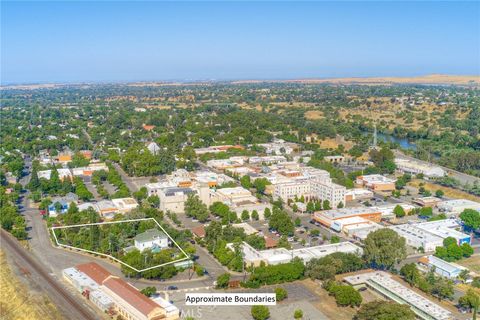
(345, 212)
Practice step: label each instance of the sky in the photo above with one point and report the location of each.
(87, 41)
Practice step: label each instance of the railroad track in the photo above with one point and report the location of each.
(37, 268)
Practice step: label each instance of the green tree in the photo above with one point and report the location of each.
(439, 193)
(255, 215)
(195, 208)
(334, 239)
(471, 218)
(298, 314)
(398, 211)
(223, 280)
(245, 215)
(470, 300)
(245, 182)
(154, 201)
(281, 293)
(410, 273)
(260, 312)
(383, 248)
(149, 291)
(384, 310)
(326, 205)
(267, 213)
(426, 212)
(310, 207)
(260, 184)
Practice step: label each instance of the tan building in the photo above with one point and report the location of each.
(376, 182)
(328, 217)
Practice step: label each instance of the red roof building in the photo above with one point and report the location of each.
(199, 231)
(131, 301)
(95, 271)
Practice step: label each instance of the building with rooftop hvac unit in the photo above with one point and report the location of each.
(384, 284)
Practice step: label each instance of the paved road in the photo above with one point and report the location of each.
(68, 304)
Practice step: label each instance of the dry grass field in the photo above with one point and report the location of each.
(17, 302)
(327, 305)
(472, 263)
(449, 192)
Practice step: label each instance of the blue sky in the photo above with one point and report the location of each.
(131, 41)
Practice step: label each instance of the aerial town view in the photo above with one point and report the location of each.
(240, 160)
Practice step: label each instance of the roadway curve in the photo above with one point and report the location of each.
(62, 298)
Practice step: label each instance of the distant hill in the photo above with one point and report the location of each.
(428, 79)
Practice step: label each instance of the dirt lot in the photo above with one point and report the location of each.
(18, 302)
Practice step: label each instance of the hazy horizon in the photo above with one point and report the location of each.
(105, 42)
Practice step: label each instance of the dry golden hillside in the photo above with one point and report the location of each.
(17, 302)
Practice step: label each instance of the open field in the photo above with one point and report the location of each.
(17, 302)
(472, 263)
(449, 192)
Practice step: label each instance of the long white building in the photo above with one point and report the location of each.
(254, 257)
(384, 284)
(416, 167)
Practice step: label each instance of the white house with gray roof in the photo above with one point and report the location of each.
(150, 239)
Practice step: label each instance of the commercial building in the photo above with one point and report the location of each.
(328, 217)
(278, 147)
(173, 199)
(63, 173)
(427, 201)
(307, 182)
(90, 169)
(418, 167)
(151, 239)
(376, 182)
(254, 257)
(115, 296)
(217, 149)
(417, 237)
(238, 199)
(266, 160)
(445, 229)
(429, 235)
(225, 164)
(358, 194)
(446, 269)
(384, 284)
(457, 206)
(107, 208)
(387, 209)
(125, 205)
